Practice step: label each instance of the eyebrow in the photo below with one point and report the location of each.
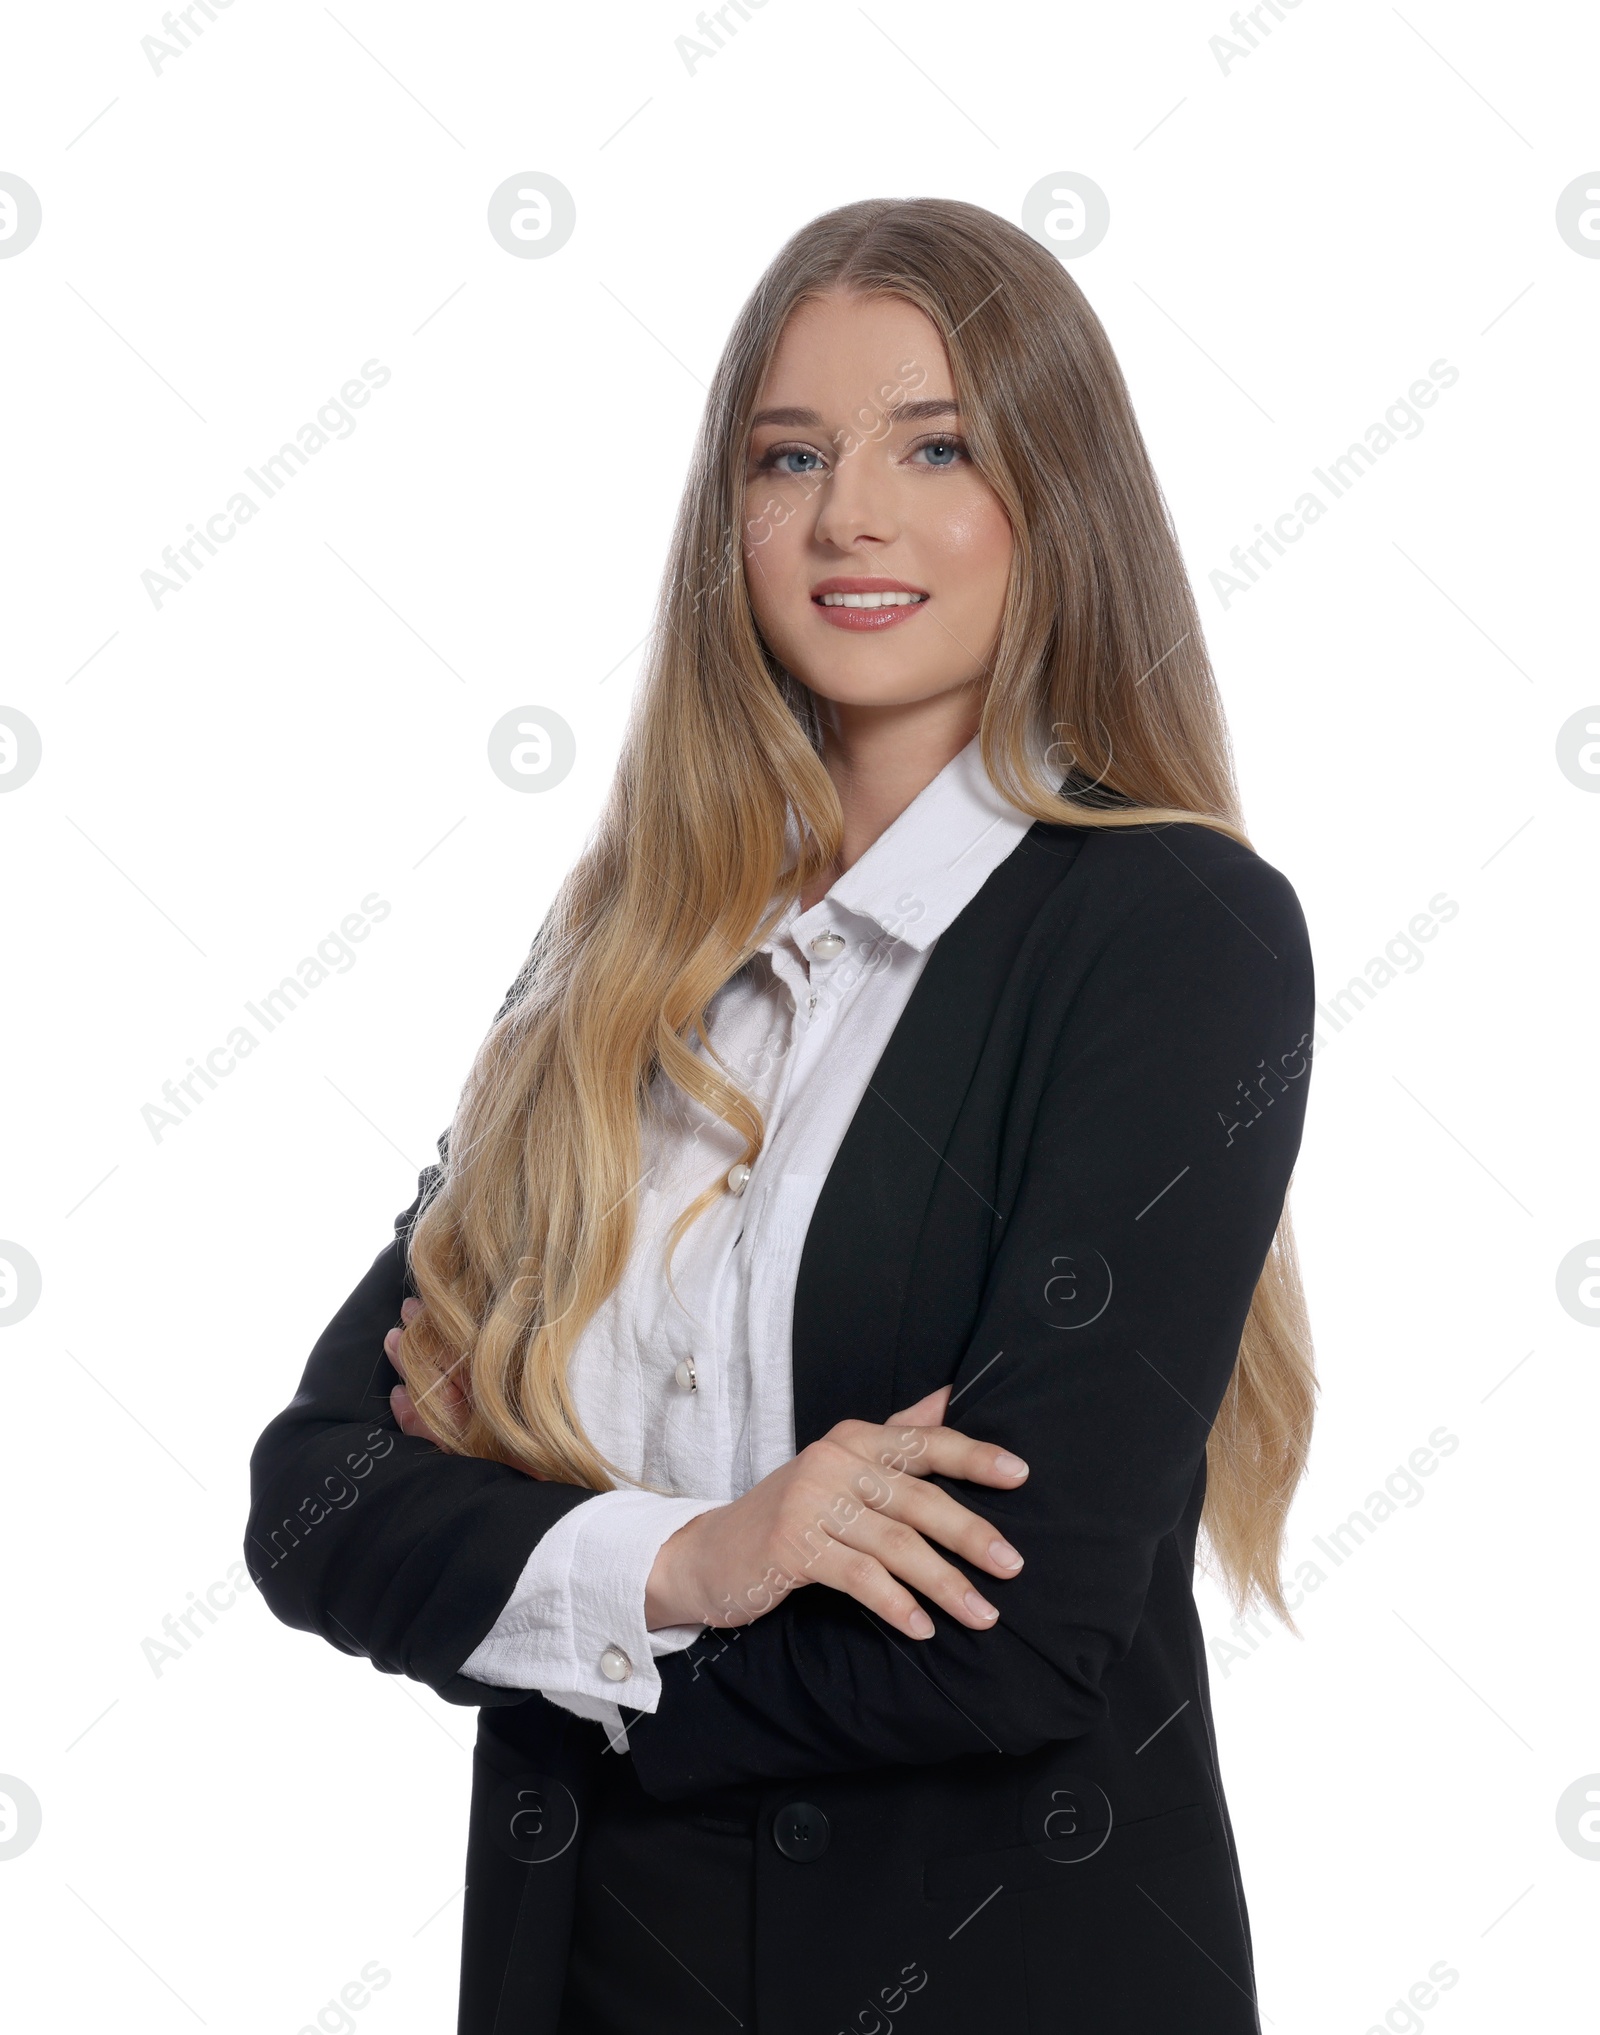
(902, 413)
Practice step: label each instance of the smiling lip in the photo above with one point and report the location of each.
(866, 614)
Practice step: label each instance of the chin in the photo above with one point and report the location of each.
(877, 688)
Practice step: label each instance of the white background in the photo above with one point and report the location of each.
(1293, 240)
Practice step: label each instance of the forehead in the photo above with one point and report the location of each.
(840, 350)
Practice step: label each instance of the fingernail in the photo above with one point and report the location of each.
(921, 1625)
(1005, 1554)
(1011, 1466)
(979, 1609)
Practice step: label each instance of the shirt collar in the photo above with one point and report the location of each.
(928, 865)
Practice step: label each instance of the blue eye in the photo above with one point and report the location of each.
(774, 460)
(804, 461)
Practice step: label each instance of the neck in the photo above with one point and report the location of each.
(880, 758)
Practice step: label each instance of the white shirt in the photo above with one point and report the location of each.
(802, 1032)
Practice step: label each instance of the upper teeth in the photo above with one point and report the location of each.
(870, 600)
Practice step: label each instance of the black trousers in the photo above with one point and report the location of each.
(663, 1939)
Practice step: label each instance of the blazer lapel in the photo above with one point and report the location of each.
(854, 1269)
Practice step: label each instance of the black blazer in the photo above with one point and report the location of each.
(1057, 1194)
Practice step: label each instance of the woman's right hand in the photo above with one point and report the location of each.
(411, 1418)
(850, 1511)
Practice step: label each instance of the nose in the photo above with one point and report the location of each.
(856, 502)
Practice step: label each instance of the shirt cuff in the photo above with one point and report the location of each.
(574, 1626)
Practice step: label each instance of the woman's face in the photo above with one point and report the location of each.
(876, 554)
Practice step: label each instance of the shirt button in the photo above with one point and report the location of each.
(800, 1831)
(828, 946)
(615, 1664)
(738, 1178)
(684, 1376)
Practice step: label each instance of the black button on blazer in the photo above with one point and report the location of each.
(1057, 1195)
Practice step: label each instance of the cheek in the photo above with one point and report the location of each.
(764, 585)
(772, 544)
(975, 536)
(763, 576)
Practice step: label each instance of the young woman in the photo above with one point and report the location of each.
(857, 1270)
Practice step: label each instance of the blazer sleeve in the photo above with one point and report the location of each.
(1153, 1181)
(378, 1541)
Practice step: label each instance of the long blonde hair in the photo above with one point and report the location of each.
(1099, 665)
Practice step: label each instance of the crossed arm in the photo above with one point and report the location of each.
(1180, 1073)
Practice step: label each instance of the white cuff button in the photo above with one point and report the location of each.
(615, 1664)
